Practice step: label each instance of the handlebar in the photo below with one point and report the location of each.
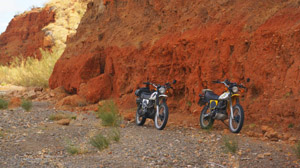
(227, 83)
(168, 85)
(217, 81)
(241, 86)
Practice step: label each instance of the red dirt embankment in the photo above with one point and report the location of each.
(24, 36)
(120, 44)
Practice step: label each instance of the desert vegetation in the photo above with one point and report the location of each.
(36, 72)
(230, 144)
(297, 149)
(99, 141)
(30, 72)
(26, 105)
(3, 104)
(60, 116)
(108, 113)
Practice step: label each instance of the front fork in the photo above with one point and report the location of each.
(233, 99)
(158, 100)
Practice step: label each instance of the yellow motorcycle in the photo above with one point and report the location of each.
(215, 106)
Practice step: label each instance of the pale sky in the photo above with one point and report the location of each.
(9, 8)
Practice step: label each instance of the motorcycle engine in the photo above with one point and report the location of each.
(220, 111)
(147, 104)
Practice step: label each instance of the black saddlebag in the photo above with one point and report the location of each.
(202, 101)
(139, 91)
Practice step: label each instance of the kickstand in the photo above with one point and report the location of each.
(224, 123)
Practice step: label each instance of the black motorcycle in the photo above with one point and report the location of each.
(152, 104)
(216, 107)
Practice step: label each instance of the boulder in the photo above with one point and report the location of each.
(73, 101)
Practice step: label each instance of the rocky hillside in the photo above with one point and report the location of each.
(120, 44)
(40, 28)
(24, 35)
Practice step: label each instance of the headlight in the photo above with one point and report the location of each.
(162, 90)
(235, 89)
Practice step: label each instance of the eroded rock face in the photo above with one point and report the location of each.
(120, 44)
(24, 36)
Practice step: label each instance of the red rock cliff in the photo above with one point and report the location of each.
(24, 36)
(120, 44)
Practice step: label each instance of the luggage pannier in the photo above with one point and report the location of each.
(139, 91)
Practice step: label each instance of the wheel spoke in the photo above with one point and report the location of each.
(161, 117)
(237, 119)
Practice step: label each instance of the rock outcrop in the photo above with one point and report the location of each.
(41, 28)
(24, 35)
(120, 44)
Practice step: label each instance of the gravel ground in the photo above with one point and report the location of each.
(30, 139)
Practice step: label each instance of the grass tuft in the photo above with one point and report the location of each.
(115, 135)
(230, 144)
(59, 116)
(99, 141)
(3, 104)
(72, 149)
(1, 134)
(109, 114)
(297, 149)
(26, 105)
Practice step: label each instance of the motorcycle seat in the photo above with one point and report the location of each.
(145, 95)
(210, 95)
(206, 90)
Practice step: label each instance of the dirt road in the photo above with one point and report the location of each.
(30, 139)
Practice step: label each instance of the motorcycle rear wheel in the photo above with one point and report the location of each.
(206, 122)
(139, 120)
(237, 122)
(160, 120)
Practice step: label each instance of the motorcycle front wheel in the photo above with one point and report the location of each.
(139, 120)
(161, 119)
(236, 122)
(206, 121)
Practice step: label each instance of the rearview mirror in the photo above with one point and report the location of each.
(174, 81)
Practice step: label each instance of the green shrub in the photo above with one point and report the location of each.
(115, 135)
(297, 149)
(26, 105)
(3, 104)
(109, 114)
(291, 125)
(99, 141)
(72, 149)
(230, 144)
(59, 116)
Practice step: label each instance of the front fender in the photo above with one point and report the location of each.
(235, 98)
(162, 95)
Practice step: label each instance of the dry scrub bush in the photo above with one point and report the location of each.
(26, 105)
(230, 144)
(297, 149)
(59, 116)
(3, 104)
(31, 72)
(99, 141)
(109, 114)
